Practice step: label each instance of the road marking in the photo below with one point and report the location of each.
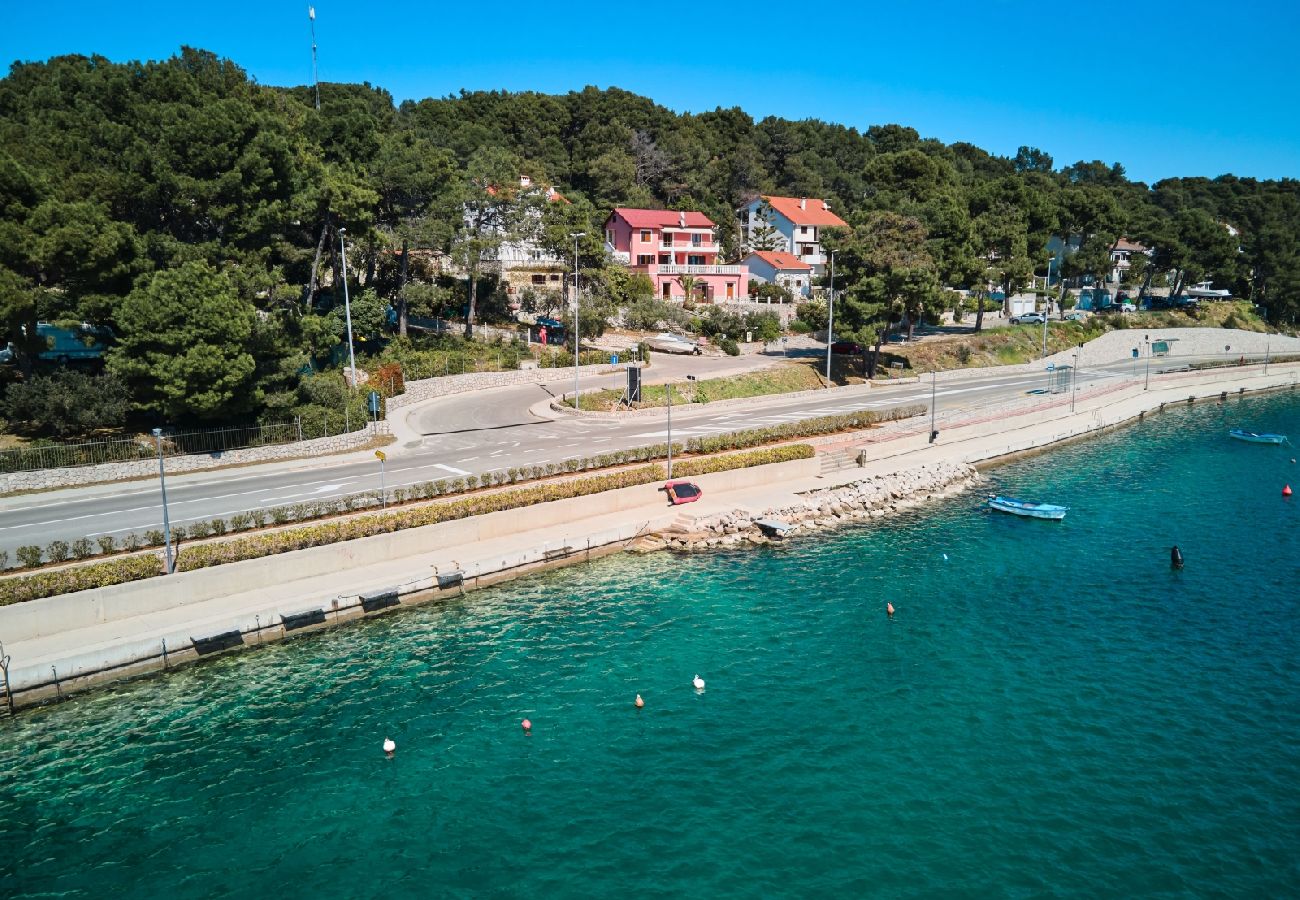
(325, 487)
(452, 469)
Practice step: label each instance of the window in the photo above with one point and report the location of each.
(693, 260)
(645, 235)
(803, 229)
(798, 282)
(744, 217)
(697, 240)
(667, 290)
(645, 259)
(609, 236)
(807, 249)
(664, 259)
(731, 290)
(667, 240)
(539, 279)
(555, 278)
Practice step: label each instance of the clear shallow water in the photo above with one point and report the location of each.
(1052, 710)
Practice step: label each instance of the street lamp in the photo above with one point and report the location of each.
(162, 480)
(1146, 383)
(668, 390)
(1047, 305)
(934, 378)
(575, 235)
(1077, 351)
(830, 320)
(347, 308)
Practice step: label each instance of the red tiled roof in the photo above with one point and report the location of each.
(659, 218)
(1131, 246)
(778, 260)
(814, 212)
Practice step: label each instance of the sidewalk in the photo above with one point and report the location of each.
(476, 552)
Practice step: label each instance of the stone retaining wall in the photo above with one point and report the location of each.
(148, 468)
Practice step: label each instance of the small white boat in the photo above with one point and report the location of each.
(1026, 508)
(1254, 438)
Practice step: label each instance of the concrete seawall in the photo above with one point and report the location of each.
(68, 643)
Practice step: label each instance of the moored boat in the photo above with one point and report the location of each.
(1026, 508)
(1257, 438)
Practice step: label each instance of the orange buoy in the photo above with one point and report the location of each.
(889, 608)
(1286, 491)
(527, 725)
(639, 702)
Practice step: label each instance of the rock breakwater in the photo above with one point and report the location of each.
(871, 498)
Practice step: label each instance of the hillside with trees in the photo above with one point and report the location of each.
(198, 215)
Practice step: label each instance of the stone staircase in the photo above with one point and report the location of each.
(834, 460)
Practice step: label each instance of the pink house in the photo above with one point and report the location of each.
(675, 250)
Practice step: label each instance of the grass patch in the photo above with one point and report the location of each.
(784, 379)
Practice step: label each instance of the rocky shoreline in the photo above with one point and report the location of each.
(873, 497)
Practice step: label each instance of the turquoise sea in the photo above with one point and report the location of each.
(1052, 711)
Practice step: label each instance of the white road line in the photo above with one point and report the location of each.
(452, 469)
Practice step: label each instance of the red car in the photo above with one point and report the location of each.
(680, 492)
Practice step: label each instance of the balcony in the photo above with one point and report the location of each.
(687, 247)
(700, 270)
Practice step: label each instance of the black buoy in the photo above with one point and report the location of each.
(1176, 557)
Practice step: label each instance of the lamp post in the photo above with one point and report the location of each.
(575, 235)
(162, 480)
(347, 308)
(1146, 382)
(934, 378)
(830, 320)
(1077, 351)
(668, 390)
(1047, 305)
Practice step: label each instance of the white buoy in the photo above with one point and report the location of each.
(698, 682)
(389, 746)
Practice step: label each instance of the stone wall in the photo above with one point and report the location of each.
(148, 468)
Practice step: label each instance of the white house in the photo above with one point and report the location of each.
(521, 262)
(793, 225)
(779, 267)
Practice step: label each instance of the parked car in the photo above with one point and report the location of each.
(1076, 316)
(1189, 304)
(671, 343)
(1029, 318)
(1157, 303)
(898, 337)
(680, 492)
(1125, 307)
(847, 347)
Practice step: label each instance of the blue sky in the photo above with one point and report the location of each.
(1166, 88)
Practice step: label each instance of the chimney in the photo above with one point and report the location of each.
(681, 218)
(803, 202)
(826, 206)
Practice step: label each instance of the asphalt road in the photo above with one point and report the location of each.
(486, 431)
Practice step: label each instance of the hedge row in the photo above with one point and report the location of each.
(32, 556)
(803, 428)
(79, 578)
(708, 464)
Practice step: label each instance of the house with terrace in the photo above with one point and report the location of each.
(779, 267)
(792, 225)
(678, 252)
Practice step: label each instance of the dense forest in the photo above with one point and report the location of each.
(198, 215)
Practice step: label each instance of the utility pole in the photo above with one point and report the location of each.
(167, 525)
(668, 389)
(315, 81)
(934, 380)
(830, 320)
(575, 235)
(347, 307)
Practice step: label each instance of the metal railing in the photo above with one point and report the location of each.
(179, 443)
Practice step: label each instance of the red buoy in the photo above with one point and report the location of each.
(1286, 491)
(889, 608)
(527, 724)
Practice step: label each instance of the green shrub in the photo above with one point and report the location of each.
(767, 456)
(19, 588)
(199, 530)
(153, 537)
(4, 559)
(240, 522)
(57, 551)
(107, 544)
(217, 526)
(82, 548)
(728, 346)
(132, 542)
(258, 516)
(29, 556)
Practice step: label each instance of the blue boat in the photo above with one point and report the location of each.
(1254, 438)
(1025, 508)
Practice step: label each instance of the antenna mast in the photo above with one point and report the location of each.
(311, 14)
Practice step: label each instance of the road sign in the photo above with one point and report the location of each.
(633, 384)
(613, 359)
(1051, 366)
(379, 455)
(373, 401)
